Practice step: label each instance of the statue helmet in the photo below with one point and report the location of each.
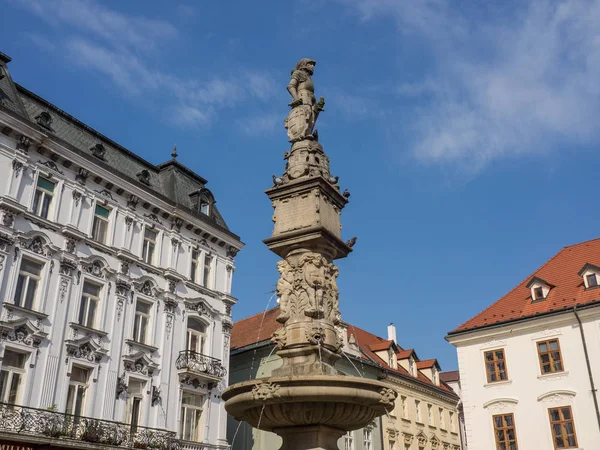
(304, 62)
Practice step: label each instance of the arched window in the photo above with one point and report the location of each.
(196, 336)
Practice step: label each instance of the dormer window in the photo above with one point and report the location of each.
(591, 275)
(205, 207)
(411, 366)
(539, 288)
(538, 293)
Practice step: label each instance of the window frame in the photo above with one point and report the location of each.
(367, 438)
(561, 423)
(130, 404)
(78, 385)
(551, 360)
(430, 418)
(101, 219)
(89, 299)
(207, 271)
(143, 315)
(185, 408)
(349, 440)
(495, 361)
(149, 246)
(38, 203)
(538, 290)
(418, 413)
(194, 265)
(11, 371)
(588, 277)
(505, 429)
(25, 288)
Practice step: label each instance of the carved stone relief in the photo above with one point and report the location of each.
(21, 335)
(8, 217)
(308, 288)
(265, 391)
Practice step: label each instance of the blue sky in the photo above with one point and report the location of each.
(466, 131)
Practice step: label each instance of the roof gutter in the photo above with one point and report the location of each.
(589, 367)
(520, 319)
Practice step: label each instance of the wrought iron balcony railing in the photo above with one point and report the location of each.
(55, 425)
(199, 363)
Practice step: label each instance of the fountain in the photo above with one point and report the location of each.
(307, 401)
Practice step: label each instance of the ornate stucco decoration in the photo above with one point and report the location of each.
(422, 439)
(22, 331)
(23, 143)
(97, 267)
(198, 306)
(121, 386)
(139, 363)
(265, 391)
(435, 442)
(147, 287)
(501, 404)
(408, 438)
(494, 343)
(188, 380)
(37, 243)
(6, 241)
(557, 397)
(132, 202)
(170, 305)
(85, 349)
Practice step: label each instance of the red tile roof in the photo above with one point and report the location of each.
(405, 354)
(379, 346)
(561, 271)
(426, 364)
(450, 376)
(260, 327)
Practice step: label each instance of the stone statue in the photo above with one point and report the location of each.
(285, 287)
(313, 270)
(301, 120)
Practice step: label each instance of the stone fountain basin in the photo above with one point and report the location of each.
(342, 402)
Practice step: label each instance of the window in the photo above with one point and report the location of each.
(411, 366)
(391, 358)
(141, 321)
(149, 246)
(403, 411)
(191, 413)
(204, 207)
(434, 375)
(135, 395)
(452, 423)
(78, 384)
(89, 304)
(441, 414)
(592, 281)
(430, 415)
(367, 439)
(504, 430)
(418, 411)
(348, 441)
(538, 293)
(194, 267)
(392, 444)
(196, 336)
(550, 357)
(42, 199)
(563, 428)
(207, 271)
(11, 376)
(100, 226)
(27, 283)
(495, 366)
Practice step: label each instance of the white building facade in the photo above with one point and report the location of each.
(530, 363)
(115, 279)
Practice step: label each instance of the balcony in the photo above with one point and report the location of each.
(44, 426)
(205, 366)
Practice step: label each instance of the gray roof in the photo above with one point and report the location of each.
(171, 179)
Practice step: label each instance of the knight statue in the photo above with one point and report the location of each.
(301, 120)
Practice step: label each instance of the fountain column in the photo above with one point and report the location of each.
(307, 401)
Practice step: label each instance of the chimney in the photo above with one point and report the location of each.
(392, 333)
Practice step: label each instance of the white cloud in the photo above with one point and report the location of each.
(503, 87)
(40, 41)
(261, 124)
(93, 18)
(124, 49)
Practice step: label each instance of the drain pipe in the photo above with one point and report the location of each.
(589, 367)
